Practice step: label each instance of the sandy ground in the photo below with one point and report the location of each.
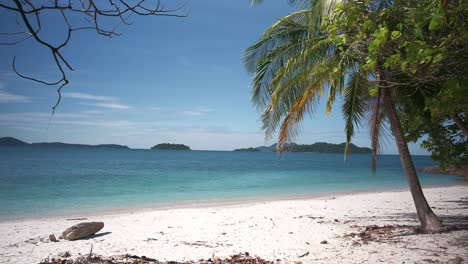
(292, 230)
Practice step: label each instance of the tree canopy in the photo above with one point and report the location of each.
(420, 47)
(384, 57)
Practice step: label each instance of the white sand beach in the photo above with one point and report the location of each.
(290, 230)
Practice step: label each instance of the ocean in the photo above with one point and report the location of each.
(46, 182)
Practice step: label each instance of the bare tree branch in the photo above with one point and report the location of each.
(91, 14)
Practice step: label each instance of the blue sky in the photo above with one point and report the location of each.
(178, 80)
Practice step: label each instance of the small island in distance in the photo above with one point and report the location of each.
(319, 147)
(169, 146)
(13, 142)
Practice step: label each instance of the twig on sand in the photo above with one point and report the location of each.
(424, 249)
(30, 252)
(90, 252)
(271, 219)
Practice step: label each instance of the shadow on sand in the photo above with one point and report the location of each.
(95, 235)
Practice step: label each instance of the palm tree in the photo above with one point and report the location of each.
(296, 62)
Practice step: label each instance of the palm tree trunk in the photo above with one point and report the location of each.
(430, 223)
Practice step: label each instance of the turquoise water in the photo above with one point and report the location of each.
(51, 182)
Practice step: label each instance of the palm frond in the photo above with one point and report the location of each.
(264, 75)
(378, 126)
(283, 40)
(354, 106)
(289, 28)
(290, 125)
(320, 9)
(280, 107)
(335, 86)
(315, 53)
(284, 96)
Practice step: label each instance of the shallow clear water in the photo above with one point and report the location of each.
(50, 182)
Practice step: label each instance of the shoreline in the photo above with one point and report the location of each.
(215, 203)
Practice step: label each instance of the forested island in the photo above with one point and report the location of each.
(319, 147)
(14, 142)
(257, 149)
(169, 146)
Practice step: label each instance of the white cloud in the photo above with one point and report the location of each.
(6, 97)
(199, 111)
(92, 112)
(121, 124)
(32, 129)
(112, 105)
(101, 101)
(23, 117)
(41, 116)
(85, 96)
(192, 113)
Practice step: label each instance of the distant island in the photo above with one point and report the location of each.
(257, 149)
(14, 142)
(319, 147)
(169, 146)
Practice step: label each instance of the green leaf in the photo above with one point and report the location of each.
(374, 91)
(418, 32)
(395, 34)
(437, 58)
(436, 22)
(400, 26)
(404, 65)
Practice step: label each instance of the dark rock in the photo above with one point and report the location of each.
(65, 254)
(454, 170)
(82, 230)
(52, 238)
(324, 242)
